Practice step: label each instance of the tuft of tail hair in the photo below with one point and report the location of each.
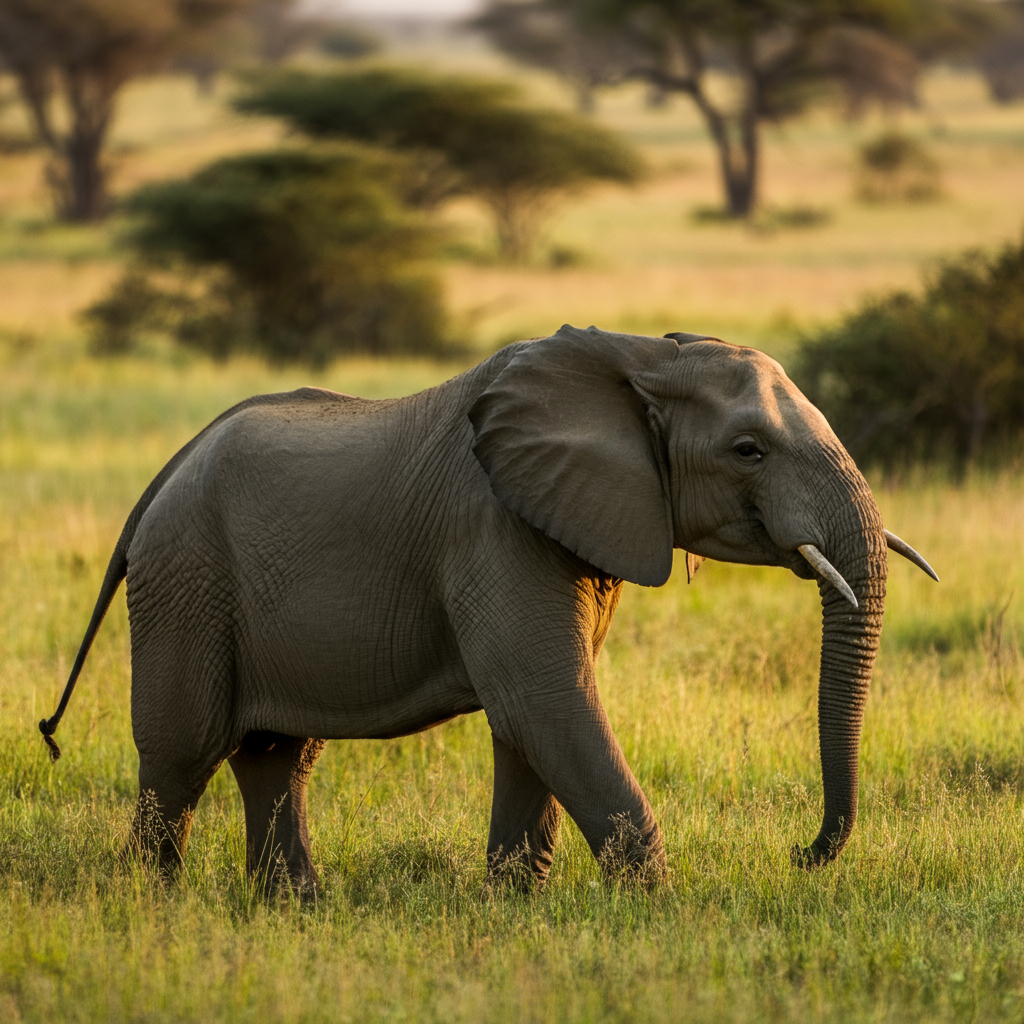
(117, 569)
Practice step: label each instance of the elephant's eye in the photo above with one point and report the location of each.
(748, 450)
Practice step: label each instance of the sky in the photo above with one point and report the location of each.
(447, 8)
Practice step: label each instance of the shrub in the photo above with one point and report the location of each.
(897, 168)
(299, 255)
(936, 377)
(133, 306)
(473, 135)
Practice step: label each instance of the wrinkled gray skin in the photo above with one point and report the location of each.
(314, 566)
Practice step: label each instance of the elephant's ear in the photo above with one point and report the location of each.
(567, 443)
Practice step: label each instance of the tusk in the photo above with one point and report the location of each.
(901, 547)
(828, 570)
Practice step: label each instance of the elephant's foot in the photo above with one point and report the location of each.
(522, 869)
(628, 855)
(525, 819)
(169, 790)
(157, 839)
(283, 878)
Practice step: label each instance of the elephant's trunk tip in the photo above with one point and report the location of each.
(807, 858)
(48, 727)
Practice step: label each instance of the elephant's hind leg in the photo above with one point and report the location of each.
(272, 771)
(524, 820)
(168, 794)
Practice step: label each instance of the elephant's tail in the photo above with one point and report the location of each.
(117, 568)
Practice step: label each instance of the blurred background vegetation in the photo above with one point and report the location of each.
(822, 180)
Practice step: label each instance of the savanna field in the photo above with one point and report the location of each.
(710, 687)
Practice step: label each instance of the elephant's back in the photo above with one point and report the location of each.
(360, 488)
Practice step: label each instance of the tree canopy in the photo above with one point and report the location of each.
(585, 55)
(268, 32)
(301, 255)
(783, 54)
(84, 51)
(475, 135)
(1001, 57)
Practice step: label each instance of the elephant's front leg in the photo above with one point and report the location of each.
(568, 747)
(524, 821)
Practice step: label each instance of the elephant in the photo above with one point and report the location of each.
(317, 566)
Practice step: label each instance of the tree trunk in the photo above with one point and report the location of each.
(517, 220)
(91, 104)
(586, 96)
(75, 174)
(738, 159)
(737, 137)
(84, 185)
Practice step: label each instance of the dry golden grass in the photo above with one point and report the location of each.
(42, 297)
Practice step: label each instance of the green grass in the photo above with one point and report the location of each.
(711, 690)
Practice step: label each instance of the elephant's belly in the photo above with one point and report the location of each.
(331, 709)
(349, 684)
(413, 723)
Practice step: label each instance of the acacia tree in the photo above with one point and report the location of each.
(82, 52)
(586, 56)
(298, 254)
(466, 136)
(1001, 56)
(264, 32)
(780, 54)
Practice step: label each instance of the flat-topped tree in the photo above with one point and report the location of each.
(585, 56)
(780, 54)
(79, 54)
(473, 137)
(297, 255)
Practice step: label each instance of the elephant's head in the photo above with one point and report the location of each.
(622, 448)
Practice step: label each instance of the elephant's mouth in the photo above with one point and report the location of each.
(747, 541)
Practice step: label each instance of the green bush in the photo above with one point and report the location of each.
(299, 255)
(133, 306)
(470, 136)
(936, 377)
(897, 168)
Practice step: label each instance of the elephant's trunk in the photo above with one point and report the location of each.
(849, 643)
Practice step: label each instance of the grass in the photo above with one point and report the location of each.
(710, 687)
(711, 690)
